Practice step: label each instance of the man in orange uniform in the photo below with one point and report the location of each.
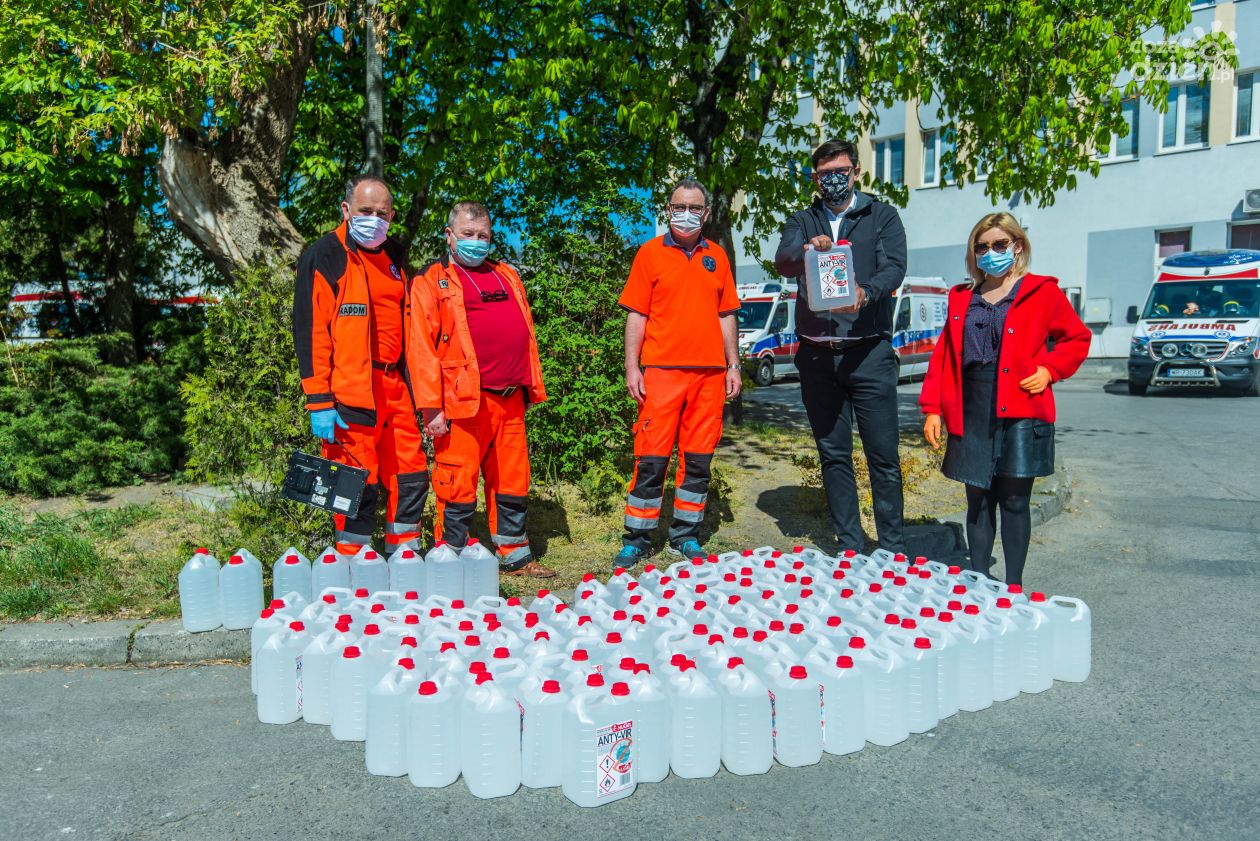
(476, 367)
(349, 329)
(681, 329)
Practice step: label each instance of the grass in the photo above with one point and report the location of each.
(124, 562)
(105, 562)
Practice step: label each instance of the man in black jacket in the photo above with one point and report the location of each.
(846, 361)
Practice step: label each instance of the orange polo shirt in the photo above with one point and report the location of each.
(683, 295)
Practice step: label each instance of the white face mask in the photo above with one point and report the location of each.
(368, 231)
(685, 223)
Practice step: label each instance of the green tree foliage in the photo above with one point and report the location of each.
(1031, 88)
(576, 258)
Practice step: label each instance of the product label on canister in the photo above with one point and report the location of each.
(614, 758)
(822, 709)
(774, 727)
(298, 682)
(833, 274)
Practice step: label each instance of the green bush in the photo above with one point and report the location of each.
(245, 412)
(70, 422)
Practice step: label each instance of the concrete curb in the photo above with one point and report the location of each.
(165, 642)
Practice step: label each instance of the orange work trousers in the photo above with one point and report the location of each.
(683, 404)
(393, 454)
(490, 445)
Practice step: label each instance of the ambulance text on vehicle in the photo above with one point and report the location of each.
(1201, 324)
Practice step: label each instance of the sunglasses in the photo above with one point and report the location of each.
(496, 295)
(983, 247)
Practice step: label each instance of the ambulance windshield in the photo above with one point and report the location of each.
(1207, 298)
(753, 315)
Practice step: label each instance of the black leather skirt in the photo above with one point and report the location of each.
(1019, 448)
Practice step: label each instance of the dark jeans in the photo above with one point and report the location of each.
(840, 386)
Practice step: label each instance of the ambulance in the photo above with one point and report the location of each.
(767, 326)
(1201, 324)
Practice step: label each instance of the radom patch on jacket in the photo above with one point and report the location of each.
(353, 309)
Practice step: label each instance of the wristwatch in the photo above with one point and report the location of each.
(734, 366)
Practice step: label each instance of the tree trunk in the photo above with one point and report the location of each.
(57, 268)
(721, 230)
(119, 307)
(223, 192)
(374, 123)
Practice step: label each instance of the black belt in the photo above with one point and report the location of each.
(840, 345)
(387, 367)
(503, 392)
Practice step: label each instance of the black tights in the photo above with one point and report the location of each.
(1012, 496)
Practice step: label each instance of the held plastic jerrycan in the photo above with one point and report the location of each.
(199, 593)
(829, 276)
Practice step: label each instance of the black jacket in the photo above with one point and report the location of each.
(878, 239)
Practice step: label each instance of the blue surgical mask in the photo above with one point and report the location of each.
(471, 252)
(369, 231)
(996, 263)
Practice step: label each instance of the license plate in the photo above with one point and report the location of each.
(1185, 373)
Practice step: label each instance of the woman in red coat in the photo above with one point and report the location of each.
(989, 381)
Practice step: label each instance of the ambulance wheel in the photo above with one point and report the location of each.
(1137, 389)
(763, 374)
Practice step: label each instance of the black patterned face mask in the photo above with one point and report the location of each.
(835, 187)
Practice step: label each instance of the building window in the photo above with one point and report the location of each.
(1246, 106)
(890, 160)
(1185, 124)
(1124, 148)
(1245, 236)
(936, 142)
(805, 62)
(1168, 243)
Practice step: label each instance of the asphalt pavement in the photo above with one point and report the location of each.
(1163, 542)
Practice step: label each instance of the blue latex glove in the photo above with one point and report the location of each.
(324, 423)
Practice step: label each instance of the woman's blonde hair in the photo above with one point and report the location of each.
(1011, 228)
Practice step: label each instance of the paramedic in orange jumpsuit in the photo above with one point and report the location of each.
(349, 330)
(476, 368)
(682, 364)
